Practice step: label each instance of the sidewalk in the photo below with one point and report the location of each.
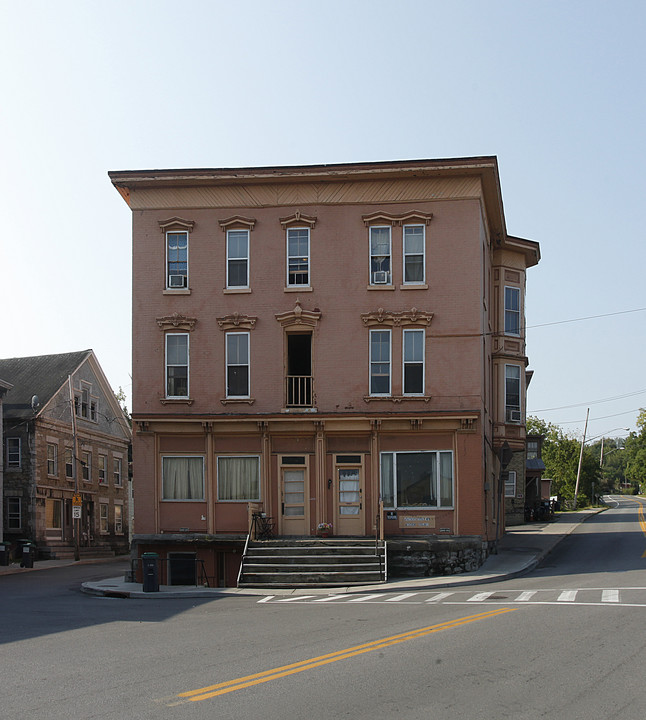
(520, 550)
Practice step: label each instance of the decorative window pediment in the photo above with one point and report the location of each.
(387, 318)
(298, 219)
(176, 322)
(236, 321)
(381, 218)
(299, 317)
(176, 223)
(237, 221)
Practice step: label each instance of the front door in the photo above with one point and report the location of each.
(294, 498)
(349, 499)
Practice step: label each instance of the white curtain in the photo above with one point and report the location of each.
(183, 478)
(238, 478)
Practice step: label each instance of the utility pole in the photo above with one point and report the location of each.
(578, 472)
(75, 520)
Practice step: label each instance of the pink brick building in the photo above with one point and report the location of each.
(337, 343)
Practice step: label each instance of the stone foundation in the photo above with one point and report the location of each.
(424, 557)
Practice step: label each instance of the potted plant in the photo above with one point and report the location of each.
(324, 529)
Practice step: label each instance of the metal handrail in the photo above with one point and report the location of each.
(299, 390)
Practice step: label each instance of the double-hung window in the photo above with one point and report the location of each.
(13, 452)
(69, 463)
(176, 260)
(298, 257)
(176, 365)
(183, 478)
(237, 360)
(86, 466)
(118, 518)
(417, 479)
(414, 252)
(116, 471)
(103, 470)
(237, 258)
(380, 360)
(512, 311)
(512, 394)
(103, 517)
(239, 478)
(14, 513)
(52, 459)
(414, 362)
(510, 483)
(380, 255)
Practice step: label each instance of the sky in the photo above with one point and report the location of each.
(554, 89)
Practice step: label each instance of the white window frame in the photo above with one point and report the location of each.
(513, 413)
(389, 272)
(309, 269)
(186, 364)
(191, 499)
(103, 469)
(168, 284)
(229, 364)
(510, 484)
(258, 479)
(52, 459)
(511, 312)
(12, 514)
(438, 490)
(375, 362)
(116, 471)
(244, 285)
(406, 254)
(406, 362)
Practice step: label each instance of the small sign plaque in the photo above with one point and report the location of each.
(417, 521)
(76, 512)
(77, 501)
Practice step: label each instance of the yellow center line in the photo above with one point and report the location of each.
(249, 680)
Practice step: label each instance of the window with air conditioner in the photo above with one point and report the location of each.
(176, 260)
(380, 255)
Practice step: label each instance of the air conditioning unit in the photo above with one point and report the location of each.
(513, 416)
(176, 281)
(380, 277)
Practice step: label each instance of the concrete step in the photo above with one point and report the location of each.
(312, 562)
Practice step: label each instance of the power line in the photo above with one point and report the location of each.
(591, 402)
(589, 317)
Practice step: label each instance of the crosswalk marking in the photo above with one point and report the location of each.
(365, 598)
(626, 596)
(398, 598)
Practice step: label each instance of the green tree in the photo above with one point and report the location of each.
(635, 453)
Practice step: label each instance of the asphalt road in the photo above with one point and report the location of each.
(566, 641)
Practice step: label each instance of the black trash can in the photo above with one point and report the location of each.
(28, 555)
(150, 570)
(4, 553)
